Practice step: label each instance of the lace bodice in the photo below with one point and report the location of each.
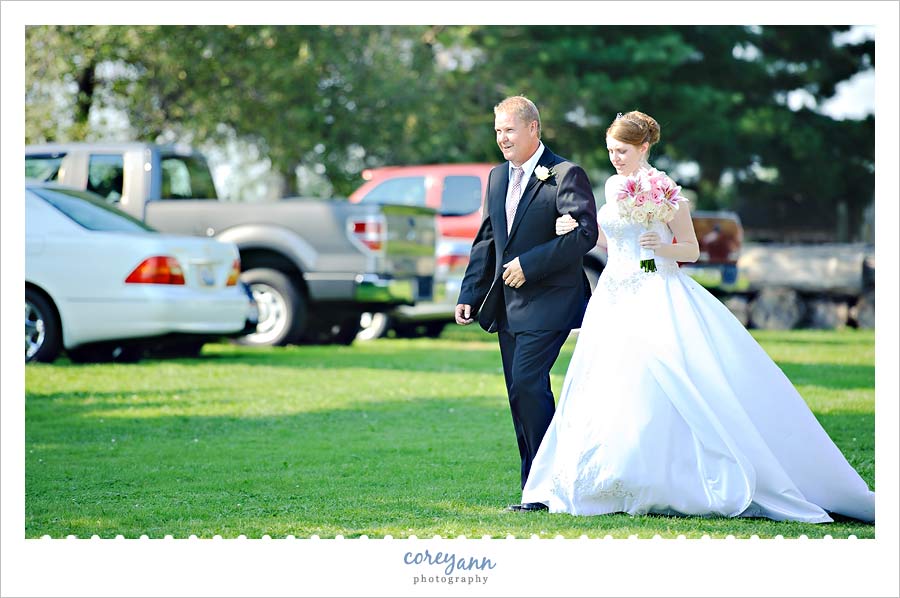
(624, 248)
(622, 270)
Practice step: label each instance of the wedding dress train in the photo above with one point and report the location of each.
(670, 406)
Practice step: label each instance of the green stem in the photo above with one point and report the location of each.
(648, 265)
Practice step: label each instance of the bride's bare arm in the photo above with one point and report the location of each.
(686, 249)
(601, 239)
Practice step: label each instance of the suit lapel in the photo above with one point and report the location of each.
(547, 159)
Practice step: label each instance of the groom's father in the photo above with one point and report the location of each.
(523, 281)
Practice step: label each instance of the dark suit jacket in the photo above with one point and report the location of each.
(556, 289)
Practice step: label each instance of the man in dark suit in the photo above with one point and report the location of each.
(523, 281)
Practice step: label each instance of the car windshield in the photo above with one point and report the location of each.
(90, 211)
(405, 191)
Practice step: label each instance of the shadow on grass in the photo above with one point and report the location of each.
(418, 466)
(419, 355)
(413, 467)
(339, 469)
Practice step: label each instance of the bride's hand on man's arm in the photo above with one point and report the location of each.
(565, 224)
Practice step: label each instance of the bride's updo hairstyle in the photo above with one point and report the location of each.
(635, 128)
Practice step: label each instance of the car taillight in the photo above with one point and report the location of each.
(159, 269)
(234, 274)
(370, 232)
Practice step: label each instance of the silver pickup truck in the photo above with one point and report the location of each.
(313, 265)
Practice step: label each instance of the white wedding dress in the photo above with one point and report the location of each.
(669, 406)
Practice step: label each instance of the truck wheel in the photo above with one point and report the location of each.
(776, 309)
(826, 314)
(739, 308)
(373, 325)
(282, 308)
(864, 311)
(43, 332)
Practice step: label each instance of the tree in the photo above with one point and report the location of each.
(329, 101)
(62, 80)
(720, 94)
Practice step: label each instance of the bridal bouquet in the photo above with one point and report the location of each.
(647, 197)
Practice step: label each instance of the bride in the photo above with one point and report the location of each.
(669, 406)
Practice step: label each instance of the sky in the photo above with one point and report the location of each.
(855, 98)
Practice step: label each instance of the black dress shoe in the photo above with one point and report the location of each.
(514, 508)
(533, 506)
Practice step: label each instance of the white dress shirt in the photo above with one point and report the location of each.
(527, 170)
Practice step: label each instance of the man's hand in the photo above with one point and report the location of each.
(513, 275)
(464, 314)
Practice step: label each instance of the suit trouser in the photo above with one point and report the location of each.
(527, 359)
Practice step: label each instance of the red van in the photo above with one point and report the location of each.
(456, 191)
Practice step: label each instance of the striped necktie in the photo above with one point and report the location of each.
(515, 194)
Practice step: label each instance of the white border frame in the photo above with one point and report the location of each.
(375, 566)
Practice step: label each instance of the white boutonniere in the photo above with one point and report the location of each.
(543, 173)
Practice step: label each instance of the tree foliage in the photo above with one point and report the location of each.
(337, 99)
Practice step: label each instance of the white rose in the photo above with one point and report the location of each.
(542, 172)
(639, 216)
(666, 213)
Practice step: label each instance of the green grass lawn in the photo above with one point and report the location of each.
(391, 437)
